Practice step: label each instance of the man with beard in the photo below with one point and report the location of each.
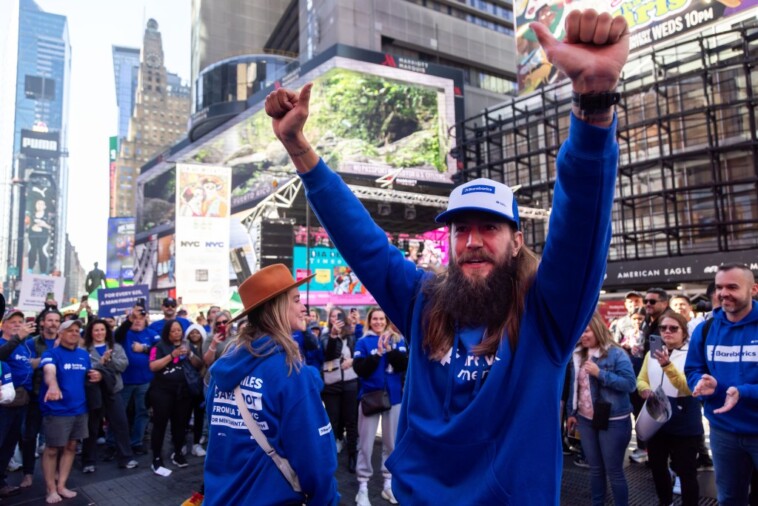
(722, 368)
(488, 345)
(168, 306)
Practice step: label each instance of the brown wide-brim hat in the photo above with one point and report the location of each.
(264, 285)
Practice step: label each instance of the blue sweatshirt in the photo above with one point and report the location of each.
(289, 411)
(157, 326)
(730, 355)
(497, 441)
(19, 362)
(71, 368)
(377, 372)
(138, 370)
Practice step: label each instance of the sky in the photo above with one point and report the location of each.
(94, 26)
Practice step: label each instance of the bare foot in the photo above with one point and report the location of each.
(53, 498)
(66, 493)
(26, 482)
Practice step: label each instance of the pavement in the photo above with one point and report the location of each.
(111, 486)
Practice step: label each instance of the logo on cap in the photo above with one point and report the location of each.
(480, 188)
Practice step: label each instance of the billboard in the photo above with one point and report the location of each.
(40, 144)
(367, 119)
(40, 223)
(112, 173)
(120, 255)
(650, 22)
(335, 281)
(201, 244)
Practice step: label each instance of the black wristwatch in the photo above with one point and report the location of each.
(590, 103)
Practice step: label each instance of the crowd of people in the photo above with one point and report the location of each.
(78, 383)
(459, 367)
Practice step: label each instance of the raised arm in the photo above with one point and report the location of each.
(381, 267)
(592, 55)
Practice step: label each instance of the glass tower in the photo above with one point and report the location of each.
(39, 147)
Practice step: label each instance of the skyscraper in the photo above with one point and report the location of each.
(158, 119)
(33, 140)
(126, 73)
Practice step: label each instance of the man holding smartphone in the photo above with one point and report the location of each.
(136, 339)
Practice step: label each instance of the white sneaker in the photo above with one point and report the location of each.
(338, 444)
(198, 451)
(362, 498)
(639, 456)
(389, 496)
(678, 486)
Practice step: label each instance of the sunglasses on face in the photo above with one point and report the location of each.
(651, 301)
(170, 306)
(221, 322)
(669, 328)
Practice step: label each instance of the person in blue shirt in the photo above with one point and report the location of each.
(381, 358)
(263, 374)
(63, 403)
(136, 339)
(168, 306)
(19, 361)
(490, 338)
(48, 325)
(721, 369)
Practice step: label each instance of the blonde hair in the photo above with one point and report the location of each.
(603, 336)
(270, 319)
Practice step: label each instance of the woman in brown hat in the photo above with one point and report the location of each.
(259, 385)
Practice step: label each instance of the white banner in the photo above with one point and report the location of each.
(202, 233)
(37, 288)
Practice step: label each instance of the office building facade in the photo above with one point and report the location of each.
(476, 36)
(158, 119)
(687, 189)
(34, 168)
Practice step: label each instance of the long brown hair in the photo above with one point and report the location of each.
(346, 329)
(440, 327)
(603, 336)
(271, 319)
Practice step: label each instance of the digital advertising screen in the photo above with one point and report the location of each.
(120, 255)
(366, 119)
(649, 22)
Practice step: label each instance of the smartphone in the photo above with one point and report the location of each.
(30, 319)
(341, 317)
(221, 329)
(50, 296)
(656, 344)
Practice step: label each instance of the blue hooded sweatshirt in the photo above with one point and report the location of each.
(377, 372)
(288, 409)
(485, 429)
(729, 354)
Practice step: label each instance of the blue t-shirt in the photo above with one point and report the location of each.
(157, 327)
(138, 370)
(50, 343)
(102, 349)
(71, 368)
(19, 364)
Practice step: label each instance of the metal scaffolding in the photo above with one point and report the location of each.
(688, 170)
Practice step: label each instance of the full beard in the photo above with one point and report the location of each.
(473, 302)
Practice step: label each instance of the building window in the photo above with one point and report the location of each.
(39, 88)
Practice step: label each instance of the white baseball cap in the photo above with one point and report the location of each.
(483, 195)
